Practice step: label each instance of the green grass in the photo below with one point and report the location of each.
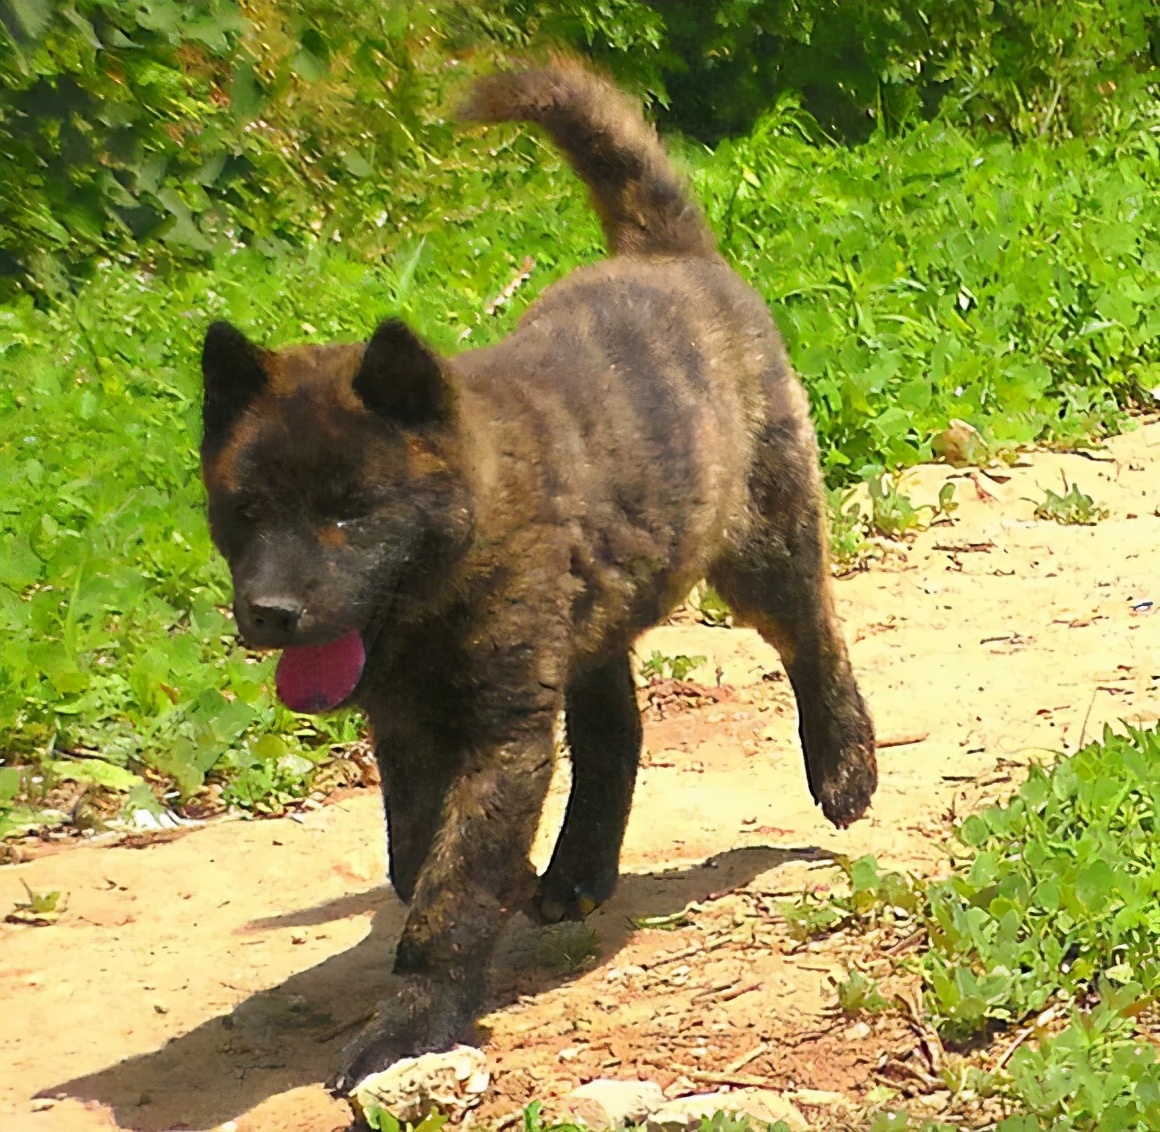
(920, 280)
(1053, 907)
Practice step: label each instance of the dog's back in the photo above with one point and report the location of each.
(635, 389)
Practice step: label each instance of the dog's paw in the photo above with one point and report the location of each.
(846, 793)
(551, 910)
(426, 1016)
(558, 899)
(840, 761)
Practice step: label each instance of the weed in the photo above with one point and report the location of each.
(40, 909)
(710, 607)
(380, 1120)
(737, 1122)
(859, 995)
(661, 667)
(892, 514)
(1072, 508)
(849, 549)
(568, 948)
(1052, 912)
(947, 504)
(534, 1121)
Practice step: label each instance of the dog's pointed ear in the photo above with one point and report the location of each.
(402, 379)
(232, 373)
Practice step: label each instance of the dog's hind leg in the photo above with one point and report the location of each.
(776, 578)
(604, 737)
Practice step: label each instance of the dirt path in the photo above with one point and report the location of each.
(213, 978)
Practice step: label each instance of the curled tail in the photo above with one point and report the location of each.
(639, 196)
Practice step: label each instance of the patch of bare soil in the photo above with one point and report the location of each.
(214, 978)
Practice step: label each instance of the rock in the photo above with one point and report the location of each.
(605, 1103)
(449, 1083)
(960, 445)
(762, 1106)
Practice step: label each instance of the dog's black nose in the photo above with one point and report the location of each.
(275, 615)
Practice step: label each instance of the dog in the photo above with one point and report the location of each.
(467, 546)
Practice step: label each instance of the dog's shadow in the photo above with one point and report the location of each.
(291, 1035)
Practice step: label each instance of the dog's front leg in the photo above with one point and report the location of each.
(474, 876)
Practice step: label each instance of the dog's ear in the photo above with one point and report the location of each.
(401, 379)
(231, 369)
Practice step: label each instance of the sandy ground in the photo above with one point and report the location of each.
(213, 978)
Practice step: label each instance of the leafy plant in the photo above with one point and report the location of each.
(1029, 70)
(737, 1122)
(534, 1121)
(40, 909)
(1072, 508)
(859, 995)
(380, 1120)
(848, 546)
(892, 514)
(1054, 905)
(1059, 889)
(710, 606)
(661, 667)
(938, 277)
(947, 504)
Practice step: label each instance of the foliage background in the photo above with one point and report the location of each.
(952, 209)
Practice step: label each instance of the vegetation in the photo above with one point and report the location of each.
(661, 667)
(1050, 922)
(987, 258)
(1072, 508)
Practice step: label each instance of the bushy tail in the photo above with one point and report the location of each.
(640, 197)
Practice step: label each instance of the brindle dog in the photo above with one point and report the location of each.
(465, 546)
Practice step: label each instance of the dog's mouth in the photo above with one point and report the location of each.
(316, 678)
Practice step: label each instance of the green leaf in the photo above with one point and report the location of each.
(96, 772)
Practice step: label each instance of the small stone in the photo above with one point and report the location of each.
(606, 1103)
(960, 445)
(858, 1031)
(411, 1089)
(42, 1104)
(763, 1106)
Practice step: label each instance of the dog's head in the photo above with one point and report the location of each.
(335, 489)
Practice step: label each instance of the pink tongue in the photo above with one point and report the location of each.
(316, 678)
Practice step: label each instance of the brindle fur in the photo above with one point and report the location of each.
(502, 524)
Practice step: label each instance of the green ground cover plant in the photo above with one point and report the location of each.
(1050, 920)
(938, 275)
